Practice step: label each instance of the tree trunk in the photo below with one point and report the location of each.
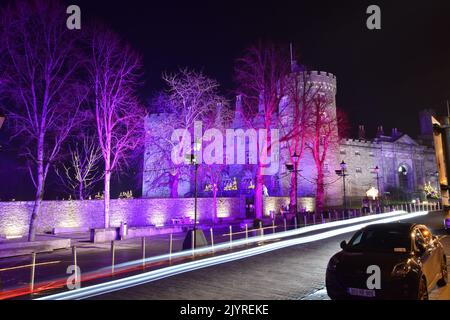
(80, 191)
(107, 192)
(214, 205)
(259, 192)
(292, 195)
(39, 190)
(174, 179)
(320, 192)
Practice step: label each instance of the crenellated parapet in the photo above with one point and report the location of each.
(320, 79)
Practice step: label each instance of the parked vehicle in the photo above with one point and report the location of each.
(406, 257)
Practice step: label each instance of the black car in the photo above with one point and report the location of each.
(387, 261)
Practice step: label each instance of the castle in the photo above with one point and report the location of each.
(398, 166)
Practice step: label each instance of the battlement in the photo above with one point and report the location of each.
(325, 80)
(360, 142)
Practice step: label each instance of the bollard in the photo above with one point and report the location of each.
(335, 216)
(321, 216)
(211, 233)
(113, 252)
(231, 236)
(295, 222)
(193, 243)
(143, 251)
(246, 233)
(314, 218)
(285, 225)
(74, 253)
(273, 226)
(304, 220)
(33, 269)
(170, 248)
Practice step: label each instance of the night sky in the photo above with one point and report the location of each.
(385, 77)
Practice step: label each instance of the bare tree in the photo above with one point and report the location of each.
(115, 71)
(261, 74)
(214, 172)
(190, 96)
(326, 125)
(39, 66)
(294, 117)
(83, 170)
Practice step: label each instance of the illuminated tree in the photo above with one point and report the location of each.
(39, 66)
(294, 115)
(190, 96)
(261, 74)
(115, 71)
(82, 171)
(325, 126)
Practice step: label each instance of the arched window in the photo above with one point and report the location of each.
(403, 177)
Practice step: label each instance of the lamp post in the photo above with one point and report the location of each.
(380, 194)
(193, 161)
(294, 168)
(438, 185)
(342, 174)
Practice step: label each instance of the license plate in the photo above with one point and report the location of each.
(361, 292)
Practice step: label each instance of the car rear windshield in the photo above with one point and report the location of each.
(380, 240)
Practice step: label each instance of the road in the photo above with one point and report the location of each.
(296, 272)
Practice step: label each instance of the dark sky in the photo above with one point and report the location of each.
(384, 76)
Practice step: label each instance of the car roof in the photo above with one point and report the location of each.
(393, 226)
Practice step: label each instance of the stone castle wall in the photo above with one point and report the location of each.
(15, 215)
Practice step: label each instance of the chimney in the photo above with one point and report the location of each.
(394, 132)
(361, 133)
(380, 131)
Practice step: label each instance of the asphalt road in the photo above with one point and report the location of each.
(296, 272)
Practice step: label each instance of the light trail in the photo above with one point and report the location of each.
(256, 239)
(120, 284)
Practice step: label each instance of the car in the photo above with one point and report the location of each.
(406, 257)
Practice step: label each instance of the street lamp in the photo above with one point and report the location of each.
(342, 174)
(293, 168)
(380, 194)
(188, 240)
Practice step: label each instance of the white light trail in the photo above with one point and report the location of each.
(131, 281)
(255, 239)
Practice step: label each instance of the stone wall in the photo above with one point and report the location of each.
(14, 216)
(274, 204)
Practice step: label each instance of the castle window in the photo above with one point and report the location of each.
(342, 151)
(357, 153)
(358, 170)
(371, 154)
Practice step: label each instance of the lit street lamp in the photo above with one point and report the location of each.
(342, 174)
(380, 194)
(293, 168)
(188, 242)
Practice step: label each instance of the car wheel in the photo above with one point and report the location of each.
(443, 281)
(423, 290)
